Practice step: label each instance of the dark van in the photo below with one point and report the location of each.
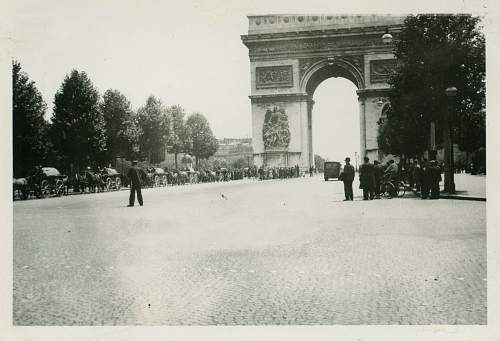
(332, 170)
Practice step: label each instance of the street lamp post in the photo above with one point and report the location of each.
(387, 37)
(449, 182)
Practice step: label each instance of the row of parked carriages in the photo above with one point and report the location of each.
(48, 181)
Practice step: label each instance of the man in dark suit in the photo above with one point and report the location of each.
(367, 179)
(135, 176)
(379, 175)
(434, 175)
(347, 177)
(425, 180)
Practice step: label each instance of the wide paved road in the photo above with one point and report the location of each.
(273, 252)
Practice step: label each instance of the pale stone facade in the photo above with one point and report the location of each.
(290, 55)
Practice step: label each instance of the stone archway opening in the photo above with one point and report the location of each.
(334, 128)
(335, 131)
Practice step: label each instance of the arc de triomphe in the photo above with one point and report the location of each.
(290, 55)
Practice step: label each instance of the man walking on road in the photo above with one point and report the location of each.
(347, 177)
(135, 177)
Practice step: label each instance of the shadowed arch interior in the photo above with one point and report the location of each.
(328, 69)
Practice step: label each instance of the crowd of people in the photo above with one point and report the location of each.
(421, 176)
(267, 173)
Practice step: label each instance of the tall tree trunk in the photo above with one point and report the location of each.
(175, 157)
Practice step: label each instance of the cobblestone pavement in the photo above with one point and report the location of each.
(273, 252)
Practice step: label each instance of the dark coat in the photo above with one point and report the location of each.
(434, 174)
(347, 174)
(367, 176)
(379, 172)
(135, 175)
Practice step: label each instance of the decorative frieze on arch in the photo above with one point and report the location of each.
(290, 55)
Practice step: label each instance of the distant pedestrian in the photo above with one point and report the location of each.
(378, 175)
(424, 179)
(367, 179)
(417, 175)
(409, 173)
(434, 173)
(347, 177)
(311, 170)
(135, 175)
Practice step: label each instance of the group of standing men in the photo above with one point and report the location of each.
(424, 176)
(372, 176)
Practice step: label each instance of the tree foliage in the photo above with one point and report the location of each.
(133, 133)
(204, 143)
(180, 138)
(154, 123)
(319, 162)
(435, 52)
(78, 126)
(30, 142)
(117, 113)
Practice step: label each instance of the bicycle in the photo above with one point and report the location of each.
(392, 188)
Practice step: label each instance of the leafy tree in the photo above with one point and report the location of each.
(179, 139)
(319, 162)
(391, 139)
(204, 142)
(30, 141)
(154, 123)
(433, 53)
(220, 163)
(186, 160)
(117, 113)
(240, 162)
(78, 127)
(132, 134)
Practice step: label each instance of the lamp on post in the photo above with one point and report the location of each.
(387, 37)
(449, 182)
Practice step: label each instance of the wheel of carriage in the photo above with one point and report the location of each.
(59, 188)
(44, 189)
(109, 184)
(118, 184)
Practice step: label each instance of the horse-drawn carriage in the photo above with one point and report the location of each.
(105, 179)
(86, 179)
(45, 181)
(155, 177)
(110, 179)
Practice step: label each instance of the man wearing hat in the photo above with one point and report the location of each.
(135, 175)
(367, 179)
(347, 177)
(434, 172)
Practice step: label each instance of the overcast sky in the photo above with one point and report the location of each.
(187, 53)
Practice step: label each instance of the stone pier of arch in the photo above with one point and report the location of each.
(290, 55)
